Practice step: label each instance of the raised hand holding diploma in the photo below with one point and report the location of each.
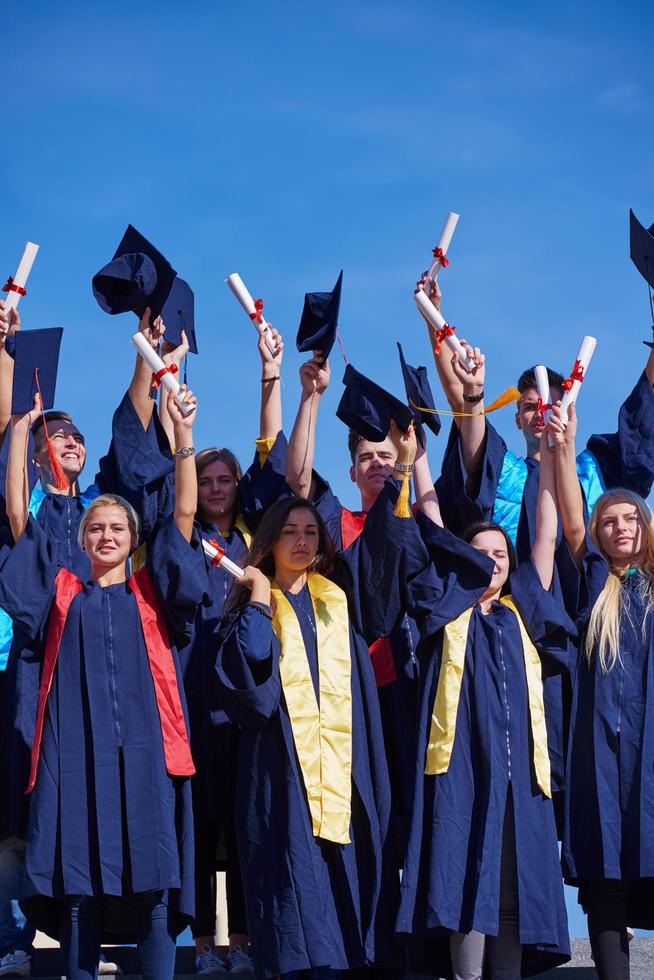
(252, 308)
(15, 285)
(572, 384)
(444, 332)
(163, 375)
(440, 251)
(216, 555)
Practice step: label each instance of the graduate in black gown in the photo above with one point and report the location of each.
(608, 845)
(482, 858)
(110, 834)
(229, 505)
(313, 797)
(486, 481)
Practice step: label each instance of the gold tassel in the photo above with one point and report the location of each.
(506, 398)
(402, 508)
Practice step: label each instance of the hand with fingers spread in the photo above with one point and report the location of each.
(9, 322)
(315, 375)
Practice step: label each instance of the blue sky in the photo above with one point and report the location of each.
(286, 141)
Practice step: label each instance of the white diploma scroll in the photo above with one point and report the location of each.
(434, 317)
(443, 243)
(156, 365)
(543, 389)
(240, 290)
(580, 367)
(224, 562)
(12, 296)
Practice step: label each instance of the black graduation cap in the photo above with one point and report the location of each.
(178, 315)
(137, 276)
(34, 351)
(418, 393)
(317, 330)
(641, 248)
(368, 409)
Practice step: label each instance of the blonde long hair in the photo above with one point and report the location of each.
(603, 634)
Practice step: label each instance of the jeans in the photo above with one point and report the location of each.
(15, 931)
(80, 937)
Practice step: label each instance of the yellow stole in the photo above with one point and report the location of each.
(263, 445)
(240, 525)
(322, 734)
(448, 692)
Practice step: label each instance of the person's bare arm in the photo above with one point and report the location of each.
(9, 324)
(547, 520)
(450, 383)
(423, 487)
(186, 480)
(139, 389)
(270, 415)
(314, 378)
(473, 424)
(17, 491)
(171, 355)
(568, 489)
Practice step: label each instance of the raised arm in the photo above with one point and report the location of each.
(270, 417)
(9, 324)
(568, 489)
(186, 479)
(17, 489)
(171, 355)
(139, 389)
(423, 487)
(473, 424)
(451, 384)
(547, 520)
(314, 378)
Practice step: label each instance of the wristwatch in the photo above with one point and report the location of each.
(185, 451)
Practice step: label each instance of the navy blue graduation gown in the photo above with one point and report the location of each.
(370, 543)
(106, 818)
(451, 876)
(310, 902)
(507, 486)
(609, 812)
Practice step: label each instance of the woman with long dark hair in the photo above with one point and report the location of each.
(313, 795)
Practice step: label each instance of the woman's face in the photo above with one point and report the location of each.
(107, 537)
(217, 488)
(297, 545)
(493, 544)
(621, 533)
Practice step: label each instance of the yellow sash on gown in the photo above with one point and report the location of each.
(448, 692)
(322, 733)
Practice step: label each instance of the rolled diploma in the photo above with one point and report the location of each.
(239, 289)
(444, 241)
(543, 388)
(584, 356)
(224, 562)
(168, 380)
(433, 315)
(22, 274)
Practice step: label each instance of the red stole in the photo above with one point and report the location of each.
(177, 751)
(381, 654)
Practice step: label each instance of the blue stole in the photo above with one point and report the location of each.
(36, 500)
(511, 485)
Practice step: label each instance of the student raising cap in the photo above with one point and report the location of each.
(36, 358)
(419, 396)
(367, 409)
(179, 314)
(319, 321)
(138, 276)
(641, 247)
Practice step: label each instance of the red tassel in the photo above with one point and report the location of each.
(60, 479)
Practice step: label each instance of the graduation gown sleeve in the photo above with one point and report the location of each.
(247, 666)
(179, 572)
(463, 499)
(626, 457)
(27, 580)
(543, 612)
(263, 484)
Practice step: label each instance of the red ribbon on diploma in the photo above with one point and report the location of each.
(158, 375)
(256, 316)
(438, 253)
(446, 331)
(221, 551)
(542, 407)
(11, 287)
(576, 375)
